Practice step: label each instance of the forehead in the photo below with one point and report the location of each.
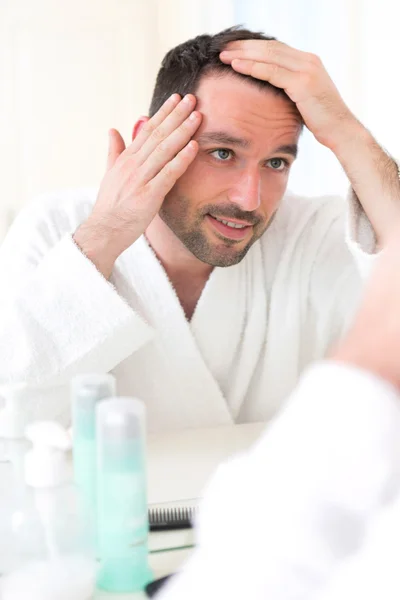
(233, 104)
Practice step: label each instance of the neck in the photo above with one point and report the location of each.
(187, 273)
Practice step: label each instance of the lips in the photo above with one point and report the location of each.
(232, 233)
(232, 222)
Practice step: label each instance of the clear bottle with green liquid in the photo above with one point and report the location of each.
(122, 516)
(87, 391)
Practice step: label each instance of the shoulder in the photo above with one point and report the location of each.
(61, 210)
(297, 210)
(306, 219)
(42, 223)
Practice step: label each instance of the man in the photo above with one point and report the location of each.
(313, 509)
(193, 276)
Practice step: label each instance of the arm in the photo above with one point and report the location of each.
(58, 314)
(371, 171)
(374, 177)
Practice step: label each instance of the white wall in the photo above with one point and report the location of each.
(71, 70)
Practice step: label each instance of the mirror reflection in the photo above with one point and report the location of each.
(192, 200)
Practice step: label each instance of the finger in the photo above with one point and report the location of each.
(146, 131)
(116, 146)
(277, 76)
(172, 122)
(269, 57)
(270, 52)
(170, 147)
(168, 176)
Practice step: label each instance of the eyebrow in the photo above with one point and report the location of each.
(221, 137)
(288, 149)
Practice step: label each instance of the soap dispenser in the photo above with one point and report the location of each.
(14, 417)
(55, 559)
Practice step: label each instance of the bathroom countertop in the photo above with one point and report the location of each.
(181, 462)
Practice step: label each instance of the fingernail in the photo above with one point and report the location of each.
(193, 116)
(171, 99)
(187, 99)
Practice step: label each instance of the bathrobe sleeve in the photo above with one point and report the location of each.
(58, 314)
(341, 249)
(360, 236)
(279, 520)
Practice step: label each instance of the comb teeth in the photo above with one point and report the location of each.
(171, 518)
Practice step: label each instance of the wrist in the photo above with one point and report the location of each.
(347, 136)
(100, 244)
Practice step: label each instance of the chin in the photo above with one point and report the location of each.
(226, 261)
(217, 255)
(206, 246)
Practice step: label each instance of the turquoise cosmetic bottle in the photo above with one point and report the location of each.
(86, 392)
(122, 518)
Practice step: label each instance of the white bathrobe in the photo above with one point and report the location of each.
(256, 326)
(312, 511)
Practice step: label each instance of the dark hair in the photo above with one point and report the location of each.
(184, 65)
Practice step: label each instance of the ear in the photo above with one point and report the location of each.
(138, 126)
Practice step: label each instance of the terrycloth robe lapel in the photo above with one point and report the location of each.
(229, 325)
(148, 289)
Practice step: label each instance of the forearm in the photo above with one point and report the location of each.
(101, 245)
(374, 177)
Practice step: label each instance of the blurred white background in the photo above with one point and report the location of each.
(71, 70)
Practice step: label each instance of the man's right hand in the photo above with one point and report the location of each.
(137, 180)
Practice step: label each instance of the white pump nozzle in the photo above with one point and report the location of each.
(14, 415)
(46, 464)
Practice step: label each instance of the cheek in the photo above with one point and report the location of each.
(272, 191)
(201, 180)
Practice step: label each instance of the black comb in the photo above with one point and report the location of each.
(167, 519)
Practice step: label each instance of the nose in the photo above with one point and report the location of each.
(246, 192)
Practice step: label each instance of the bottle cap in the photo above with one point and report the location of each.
(88, 389)
(47, 464)
(120, 419)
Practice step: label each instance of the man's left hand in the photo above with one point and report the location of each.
(372, 173)
(305, 81)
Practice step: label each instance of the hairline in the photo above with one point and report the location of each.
(219, 73)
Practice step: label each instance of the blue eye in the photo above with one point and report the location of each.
(222, 154)
(278, 164)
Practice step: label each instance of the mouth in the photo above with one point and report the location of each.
(232, 229)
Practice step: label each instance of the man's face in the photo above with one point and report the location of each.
(247, 143)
